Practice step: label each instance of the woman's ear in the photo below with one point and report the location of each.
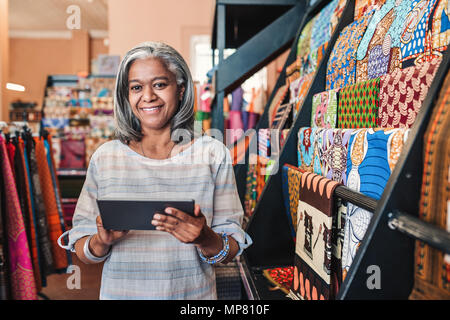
(182, 89)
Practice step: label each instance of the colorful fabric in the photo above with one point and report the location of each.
(402, 94)
(304, 85)
(51, 210)
(308, 149)
(291, 187)
(421, 35)
(23, 285)
(363, 6)
(358, 105)
(432, 267)
(374, 52)
(281, 116)
(264, 142)
(372, 156)
(280, 277)
(333, 154)
(73, 154)
(313, 250)
(4, 279)
(341, 69)
(324, 109)
(24, 197)
(276, 102)
(250, 193)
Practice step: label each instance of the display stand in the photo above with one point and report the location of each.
(383, 245)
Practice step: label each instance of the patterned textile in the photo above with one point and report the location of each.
(277, 101)
(304, 85)
(304, 41)
(372, 156)
(341, 69)
(432, 267)
(4, 279)
(281, 116)
(374, 52)
(290, 183)
(23, 285)
(264, 142)
(333, 154)
(283, 137)
(45, 247)
(280, 277)
(73, 154)
(324, 109)
(261, 175)
(363, 6)
(313, 250)
(250, 193)
(402, 94)
(308, 149)
(358, 105)
(323, 27)
(25, 200)
(422, 40)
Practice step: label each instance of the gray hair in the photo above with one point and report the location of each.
(128, 127)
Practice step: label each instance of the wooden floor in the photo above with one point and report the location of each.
(90, 276)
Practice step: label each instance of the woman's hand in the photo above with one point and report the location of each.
(182, 226)
(108, 237)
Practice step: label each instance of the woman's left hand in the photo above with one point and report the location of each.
(182, 226)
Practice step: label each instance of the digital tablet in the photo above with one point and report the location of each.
(137, 214)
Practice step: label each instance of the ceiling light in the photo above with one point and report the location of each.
(15, 87)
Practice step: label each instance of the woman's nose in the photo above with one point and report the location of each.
(148, 94)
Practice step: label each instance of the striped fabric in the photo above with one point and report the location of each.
(154, 264)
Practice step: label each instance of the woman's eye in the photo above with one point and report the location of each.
(135, 88)
(160, 85)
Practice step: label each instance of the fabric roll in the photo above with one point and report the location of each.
(51, 210)
(402, 94)
(314, 260)
(372, 156)
(280, 277)
(237, 98)
(45, 249)
(25, 206)
(23, 285)
(334, 151)
(309, 149)
(358, 105)
(324, 109)
(291, 189)
(5, 287)
(432, 267)
(341, 68)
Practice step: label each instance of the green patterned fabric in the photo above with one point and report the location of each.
(358, 105)
(201, 115)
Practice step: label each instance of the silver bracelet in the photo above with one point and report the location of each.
(90, 256)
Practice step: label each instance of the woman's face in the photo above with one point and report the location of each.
(153, 93)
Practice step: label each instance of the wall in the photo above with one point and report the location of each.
(31, 60)
(171, 21)
(4, 59)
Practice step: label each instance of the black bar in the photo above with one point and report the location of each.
(357, 198)
(420, 230)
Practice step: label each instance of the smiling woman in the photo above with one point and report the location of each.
(153, 100)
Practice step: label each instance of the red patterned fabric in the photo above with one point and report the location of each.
(23, 285)
(402, 94)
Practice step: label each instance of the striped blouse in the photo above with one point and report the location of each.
(154, 264)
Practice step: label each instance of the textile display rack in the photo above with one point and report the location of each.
(396, 232)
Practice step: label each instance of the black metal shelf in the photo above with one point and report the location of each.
(391, 250)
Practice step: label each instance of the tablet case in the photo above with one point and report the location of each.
(137, 214)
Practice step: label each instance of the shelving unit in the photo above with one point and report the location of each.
(389, 240)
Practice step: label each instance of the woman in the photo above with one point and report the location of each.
(157, 156)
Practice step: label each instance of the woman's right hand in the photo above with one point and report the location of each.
(108, 237)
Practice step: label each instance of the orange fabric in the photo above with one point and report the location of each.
(59, 255)
(33, 249)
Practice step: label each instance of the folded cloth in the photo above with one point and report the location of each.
(403, 92)
(372, 156)
(358, 105)
(432, 267)
(341, 69)
(313, 250)
(324, 109)
(309, 149)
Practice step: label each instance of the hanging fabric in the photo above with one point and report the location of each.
(432, 267)
(4, 279)
(314, 261)
(23, 285)
(324, 109)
